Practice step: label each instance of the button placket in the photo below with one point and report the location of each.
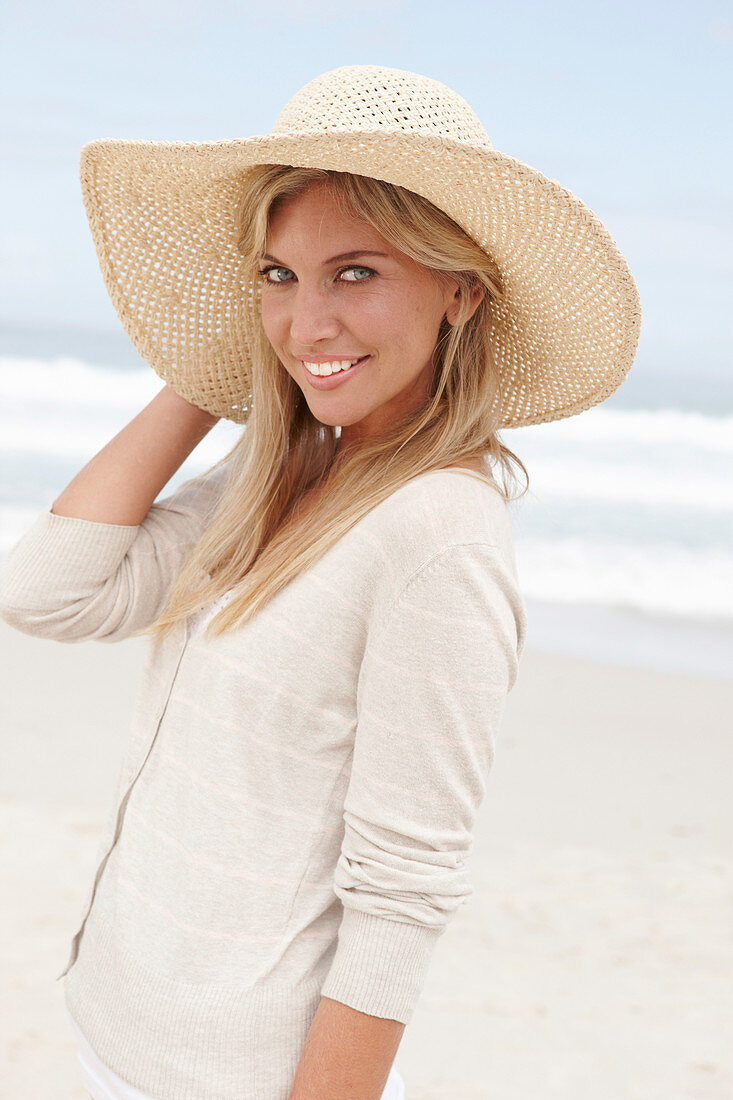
(134, 776)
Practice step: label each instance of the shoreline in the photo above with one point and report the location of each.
(631, 638)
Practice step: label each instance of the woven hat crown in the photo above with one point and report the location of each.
(357, 99)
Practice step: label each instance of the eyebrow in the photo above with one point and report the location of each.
(334, 259)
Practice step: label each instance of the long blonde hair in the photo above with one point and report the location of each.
(256, 540)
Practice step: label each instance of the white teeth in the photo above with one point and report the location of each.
(324, 369)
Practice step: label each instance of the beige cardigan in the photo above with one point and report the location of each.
(295, 808)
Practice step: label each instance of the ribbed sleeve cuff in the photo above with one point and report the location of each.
(62, 551)
(380, 965)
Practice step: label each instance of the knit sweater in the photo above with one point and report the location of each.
(295, 807)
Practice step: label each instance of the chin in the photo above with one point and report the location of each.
(329, 421)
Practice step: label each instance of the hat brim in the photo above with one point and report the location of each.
(162, 220)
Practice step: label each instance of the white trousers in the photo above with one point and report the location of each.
(102, 1084)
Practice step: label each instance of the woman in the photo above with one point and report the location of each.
(334, 608)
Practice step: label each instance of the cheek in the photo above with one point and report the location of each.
(381, 318)
(414, 312)
(272, 319)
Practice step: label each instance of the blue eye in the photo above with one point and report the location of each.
(272, 267)
(263, 274)
(352, 268)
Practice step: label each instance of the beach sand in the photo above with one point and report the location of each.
(594, 960)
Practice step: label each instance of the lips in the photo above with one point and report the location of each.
(330, 381)
(352, 360)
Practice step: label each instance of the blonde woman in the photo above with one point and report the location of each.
(334, 612)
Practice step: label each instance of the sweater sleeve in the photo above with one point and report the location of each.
(431, 695)
(71, 579)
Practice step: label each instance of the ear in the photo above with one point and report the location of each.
(477, 293)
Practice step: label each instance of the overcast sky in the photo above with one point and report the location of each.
(628, 105)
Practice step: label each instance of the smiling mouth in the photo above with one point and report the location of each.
(325, 370)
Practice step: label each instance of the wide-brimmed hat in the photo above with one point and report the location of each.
(162, 216)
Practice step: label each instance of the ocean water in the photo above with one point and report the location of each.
(624, 542)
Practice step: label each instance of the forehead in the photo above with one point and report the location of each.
(314, 220)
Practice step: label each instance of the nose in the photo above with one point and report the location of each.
(312, 319)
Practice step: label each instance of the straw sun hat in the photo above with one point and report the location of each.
(162, 219)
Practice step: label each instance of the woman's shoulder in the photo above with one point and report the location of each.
(437, 510)
(469, 500)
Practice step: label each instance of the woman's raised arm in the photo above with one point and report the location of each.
(119, 484)
(99, 562)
